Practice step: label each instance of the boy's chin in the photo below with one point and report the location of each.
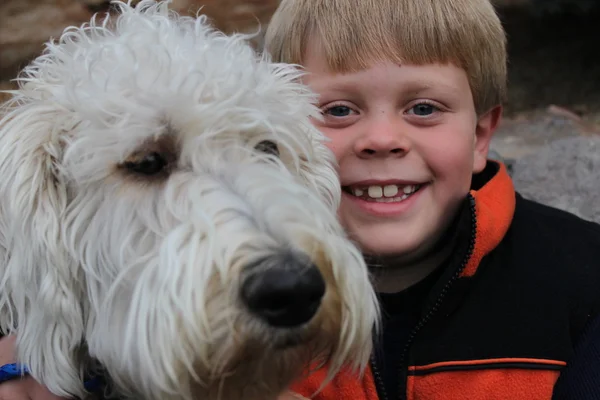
(391, 246)
(396, 247)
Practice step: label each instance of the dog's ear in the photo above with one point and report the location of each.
(40, 293)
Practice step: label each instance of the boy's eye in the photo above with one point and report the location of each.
(338, 111)
(423, 109)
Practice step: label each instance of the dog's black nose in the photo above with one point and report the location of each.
(284, 290)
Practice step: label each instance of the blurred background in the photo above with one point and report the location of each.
(554, 45)
(554, 80)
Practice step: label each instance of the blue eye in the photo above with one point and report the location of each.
(423, 109)
(338, 111)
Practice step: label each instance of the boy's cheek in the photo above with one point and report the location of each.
(334, 142)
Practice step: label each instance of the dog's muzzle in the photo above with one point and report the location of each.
(285, 290)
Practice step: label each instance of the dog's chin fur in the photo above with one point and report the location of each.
(142, 273)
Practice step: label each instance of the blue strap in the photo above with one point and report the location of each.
(15, 371)
(12, 371)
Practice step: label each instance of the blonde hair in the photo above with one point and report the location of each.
(356, 33)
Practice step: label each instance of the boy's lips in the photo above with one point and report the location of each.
(383, 182)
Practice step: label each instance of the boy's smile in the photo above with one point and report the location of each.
(382, 198)
(407, 139)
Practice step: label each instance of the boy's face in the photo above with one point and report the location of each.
(407, 140)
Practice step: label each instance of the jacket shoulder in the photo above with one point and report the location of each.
(556, 250)
(559, 223)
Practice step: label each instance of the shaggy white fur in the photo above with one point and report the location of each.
(146, 163)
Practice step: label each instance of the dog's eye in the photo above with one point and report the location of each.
(268, 147)
(151, 164)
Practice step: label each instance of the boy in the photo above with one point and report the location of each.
(485, 295)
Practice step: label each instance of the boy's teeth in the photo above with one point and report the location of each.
(408, 189)
(378, 192)
(375, 192)
(390, 190)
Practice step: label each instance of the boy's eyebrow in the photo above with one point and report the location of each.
(333, 86)
(420, 87)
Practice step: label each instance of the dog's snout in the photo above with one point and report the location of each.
(285, 291)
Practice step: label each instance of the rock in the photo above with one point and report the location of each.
(553, 159)
(527, 134)
(564, 174)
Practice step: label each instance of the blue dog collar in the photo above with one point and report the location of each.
(12, 371)
(15, 371)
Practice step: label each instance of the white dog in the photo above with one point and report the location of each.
(168, 211)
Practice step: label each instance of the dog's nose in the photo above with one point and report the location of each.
(284, 290)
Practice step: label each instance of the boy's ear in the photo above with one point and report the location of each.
(486, 126)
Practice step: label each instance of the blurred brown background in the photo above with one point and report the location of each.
(26, 24)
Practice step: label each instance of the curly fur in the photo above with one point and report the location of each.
(143, 273)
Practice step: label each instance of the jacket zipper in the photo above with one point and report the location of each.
(378, 379)
(430, 313)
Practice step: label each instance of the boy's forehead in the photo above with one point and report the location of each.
(415, 78)
(314, 57)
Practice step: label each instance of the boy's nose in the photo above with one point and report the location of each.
(382, 138)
